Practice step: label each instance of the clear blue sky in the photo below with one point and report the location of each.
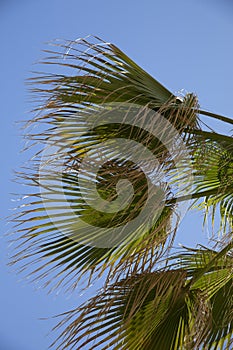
(184, 44)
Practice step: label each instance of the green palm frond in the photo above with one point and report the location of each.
(213, 181)
(211, 273)
(103, 74)
(148, 311)
(176, 308)
(53, 235)
(100, 73)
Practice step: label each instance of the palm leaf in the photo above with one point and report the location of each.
(53, 237)
(178, 307)
(213, 164)
(140, 312)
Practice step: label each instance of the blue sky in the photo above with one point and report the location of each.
(184, 44)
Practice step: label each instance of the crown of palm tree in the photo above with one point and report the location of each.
(152, 298)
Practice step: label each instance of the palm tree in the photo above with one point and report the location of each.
(114, 145)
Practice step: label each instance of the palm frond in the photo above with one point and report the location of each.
(212, 177)
(53, 240)
(173, 308)
(148, 311)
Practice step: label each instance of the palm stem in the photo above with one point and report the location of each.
(212, 135)
(216, 116)
(193, 196)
